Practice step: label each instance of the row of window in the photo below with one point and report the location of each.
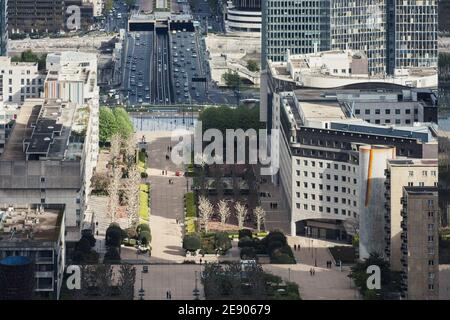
(321, 209)
(386, 111)
(328, 199)
(328, 187)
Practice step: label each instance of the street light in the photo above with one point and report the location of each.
(142, 291)
(196, 292)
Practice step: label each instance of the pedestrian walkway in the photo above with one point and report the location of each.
(166, 199)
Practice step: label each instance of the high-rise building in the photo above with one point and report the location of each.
(243, 16)
(394, 34)
(420, 243)
(3, 27)
(399, 174)
(301, 26)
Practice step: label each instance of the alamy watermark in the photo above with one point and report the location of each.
(73, 22)
(208, 147)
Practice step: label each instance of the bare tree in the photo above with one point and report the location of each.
(206, 210)
(130, 149)
(224, 211)
(132, 194)
(116, 142)
(260, 215)
(127, 278)
(113, 192)
(241, 213)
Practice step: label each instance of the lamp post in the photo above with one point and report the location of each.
(142, 291)
(196, 292)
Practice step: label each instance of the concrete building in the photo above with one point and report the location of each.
(8, 115)
(19, 81)
(348, 70)
(243, 16)
(394, 34)
(420, 243)
(52, 151)
(3, 27)
(399, 174)
(327, 172)
(72, 76)
(37, 233)
(44, 16)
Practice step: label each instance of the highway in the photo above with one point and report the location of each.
(162, 87)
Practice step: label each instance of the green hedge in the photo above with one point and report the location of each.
(144, 202)
(191, 210)
(190, 225)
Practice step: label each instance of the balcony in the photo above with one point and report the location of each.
(402, 200)
(403, 213)
(387, 173)
(44, 260)
(404, 226)
(387, 206)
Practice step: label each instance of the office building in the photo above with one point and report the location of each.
(8, 115)
(36, 233)
(399, 174)
(391, 100)
(243, 16)
(394, 34)
(3, 27)
(420, 243)
(332, 165)
(20, 81)
(44, 16)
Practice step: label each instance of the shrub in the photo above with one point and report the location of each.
(207, 244)
(273, 246)
(113, 235)
(282, 258)
(190, 225)
(131, 233)
(191, 210)
(142, 227)
(145, 237)
(245, 233)
(222, 242)
(275, 236)
(191, 243)
(112, 256)
(248, 253)
(144, 175)
(246, 242)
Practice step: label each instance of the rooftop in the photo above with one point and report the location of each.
(31, 226)
(421, 190)
(43, 129)
(413, 162)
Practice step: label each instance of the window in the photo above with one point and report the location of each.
(387, 111)
(367, 111)
(305, 206)
(408, 111)
(424, 173)
(305, 196)
(411, 173)
(377, 111)
(357, 111)
(397, 111)
(297, 205)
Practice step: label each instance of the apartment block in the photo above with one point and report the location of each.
(400, 174)
(420, 243)
(8, 115)
(19, 81)
(37, 233)
(332, 166)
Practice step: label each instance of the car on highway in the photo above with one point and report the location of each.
(140, 84)
(147, 88)
(147, 97)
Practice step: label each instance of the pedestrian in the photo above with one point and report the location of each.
(200, 260)
(170, 295)
(162, 172)
(310, 272)
(167, 294)
(313, 272)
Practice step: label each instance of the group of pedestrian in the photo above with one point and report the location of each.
(170, 181)
(312, 272)
(164, 173)
(169, 295)
(296, 247)
(329, 264)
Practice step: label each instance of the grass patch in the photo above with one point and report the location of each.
(144, 195)
(191, 210)
(190, 225)
(142, 165)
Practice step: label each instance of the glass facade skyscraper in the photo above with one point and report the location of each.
(394, 34)
(3, 27)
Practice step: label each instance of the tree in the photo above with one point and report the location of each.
(252, 65)
(222, 242)
(100, 183)
(206, 210)
(260, 216)
(232, 79)
(116, 144)
(127, 278)
(113, 192)
(112, 255)
(224, 211)
(130, 149)
(113, 237)
(124, 125)
(191, 243)
(132, 192)
(145, 238)
(241, 213)
(107, 124)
